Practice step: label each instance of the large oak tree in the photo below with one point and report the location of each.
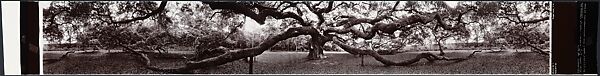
(120, 24)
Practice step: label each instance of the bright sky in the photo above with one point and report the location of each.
(451, 3)
(252, 26)
(44, 4)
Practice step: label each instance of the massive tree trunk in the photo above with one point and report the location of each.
(317, 42)
(315, 51)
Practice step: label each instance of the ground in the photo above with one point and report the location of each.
(507, 62)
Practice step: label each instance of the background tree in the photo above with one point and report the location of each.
(522, 24)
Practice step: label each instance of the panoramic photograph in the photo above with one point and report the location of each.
(295, 37)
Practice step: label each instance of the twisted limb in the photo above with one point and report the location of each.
(429, 56)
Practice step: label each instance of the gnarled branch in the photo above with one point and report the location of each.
(388, 28)
(158, 10)
(259, 17)
(237, 54)
(429, 56)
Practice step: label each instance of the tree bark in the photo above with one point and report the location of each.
(315, 52)
(317, 42)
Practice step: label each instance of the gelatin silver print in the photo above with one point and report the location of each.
(296, 37)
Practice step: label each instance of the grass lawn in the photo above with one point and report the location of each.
(509, 62)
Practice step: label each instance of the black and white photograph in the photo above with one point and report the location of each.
(295, 37)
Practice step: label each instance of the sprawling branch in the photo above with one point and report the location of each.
(540, 51)
(64, 56)
(429, 56)
(319, 11)
(146, 60)
(459, 18)
(536, 20)
(263, 12)
(237, 54)
(259, 17)
(527, 43)
(156, 11)
(520, 21)
(287, 2)
(395, 5)
(411, 11)
(388, 28)
(52, 18)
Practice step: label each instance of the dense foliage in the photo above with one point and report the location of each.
(189, 24)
